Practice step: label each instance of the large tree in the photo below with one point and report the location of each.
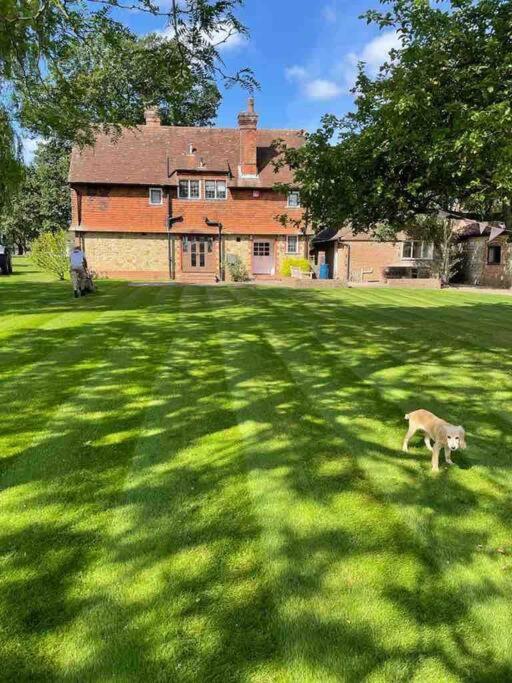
(433, 130)
(41, 39)
(110, 82)
(41, 202)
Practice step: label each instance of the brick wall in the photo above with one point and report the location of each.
(127, 208)
(417, 283)
(368, 259)
(476, 269)
(124, 208)
(365, 261)
(240, 213)
(130, 255)
(241, 248)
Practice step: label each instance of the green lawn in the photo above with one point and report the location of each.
(206, 484)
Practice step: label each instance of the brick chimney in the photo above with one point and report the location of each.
(152, 116)
(248, 123)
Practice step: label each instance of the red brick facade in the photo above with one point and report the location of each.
(104, 202)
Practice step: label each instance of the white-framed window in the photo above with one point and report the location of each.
(156, 196)
(293, 200)
(215, 189)
(292, 244)
(189, 189)
(413, 249)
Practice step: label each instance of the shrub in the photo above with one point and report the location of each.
(237, 269)
(50, 253)
(294, 262)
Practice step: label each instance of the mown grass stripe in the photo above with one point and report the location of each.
(176, 582)
(390, 482)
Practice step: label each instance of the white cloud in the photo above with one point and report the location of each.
(376, 52)
(329, 14)
(295, 73)
(312, 88)
(321, 89)
(373, 54)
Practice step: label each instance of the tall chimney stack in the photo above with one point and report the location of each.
(248, 124)
(152, 116)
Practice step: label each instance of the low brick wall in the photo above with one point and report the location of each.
(418, 282)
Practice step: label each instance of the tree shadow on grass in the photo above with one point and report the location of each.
(221, 497)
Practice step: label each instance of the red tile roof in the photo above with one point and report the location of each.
(154, 155)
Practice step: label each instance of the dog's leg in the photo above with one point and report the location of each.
(410, 433)
(447, 456)
(427, 442)
(435, 457)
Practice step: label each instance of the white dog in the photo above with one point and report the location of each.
(443, 434)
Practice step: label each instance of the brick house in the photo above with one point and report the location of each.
(218, 184)
(486, 262)
(362, 258)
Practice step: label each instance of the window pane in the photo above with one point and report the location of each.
(292, 244)
(155, 196)
(221, 189)
(407, 252)
(194, 189)
(183, 189)
(209, 189)
(293, 199)
(428, 250)
(416, 249)
(185, 244)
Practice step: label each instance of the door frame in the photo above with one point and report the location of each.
(210, 256)
(272, 253)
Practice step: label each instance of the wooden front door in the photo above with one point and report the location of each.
(198, 254)
(263, 257)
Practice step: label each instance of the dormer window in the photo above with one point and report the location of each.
(293, 200)
(156, 196)
(189, 189)
(215, 189)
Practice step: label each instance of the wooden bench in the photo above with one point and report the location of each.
(299, 274)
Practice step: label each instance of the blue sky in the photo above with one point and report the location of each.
(303, 54)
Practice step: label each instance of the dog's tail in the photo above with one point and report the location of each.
(407, 416)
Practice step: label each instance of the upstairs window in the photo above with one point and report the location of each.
(417, 250)
(189, 189)
(292, 244)
(494, 254)
(215, 189)
(293, 200)
(156, 197)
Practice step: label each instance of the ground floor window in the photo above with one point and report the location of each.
(292, 244)
(494, 254)
(417, 250)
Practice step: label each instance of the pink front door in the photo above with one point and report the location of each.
(263, 257)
